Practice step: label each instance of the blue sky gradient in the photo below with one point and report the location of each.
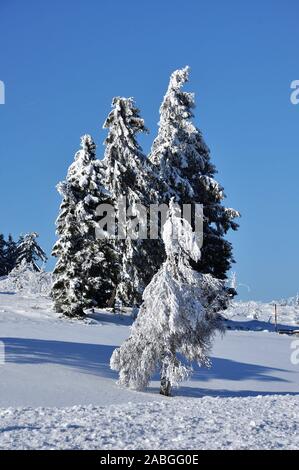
(63, 61)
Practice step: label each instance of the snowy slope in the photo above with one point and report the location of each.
(52, 362)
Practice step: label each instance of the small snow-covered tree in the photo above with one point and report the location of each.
(28, 250)
(179, 314)
(130, 176)
(85, 272)
(27, 280)
(183, 161)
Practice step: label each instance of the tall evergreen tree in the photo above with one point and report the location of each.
(183, 160)
(179, 315)
(85, 273)
(130, 175)
(28, 250)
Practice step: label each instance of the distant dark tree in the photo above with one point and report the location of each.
(11, 253)
(3, 267)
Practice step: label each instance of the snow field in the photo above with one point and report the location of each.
(261, 422)
(57, 390)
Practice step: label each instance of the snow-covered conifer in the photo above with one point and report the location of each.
(85, 273)
(179, 314)
(28, 250)
(129, 175)
(182, 158)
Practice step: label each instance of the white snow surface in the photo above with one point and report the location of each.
(270, 422)
(57, 390)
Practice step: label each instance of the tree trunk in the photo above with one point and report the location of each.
(110, 302)
(165, 387)
(76, 313)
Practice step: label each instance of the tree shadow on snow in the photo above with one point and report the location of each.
(107, 317)
(228, 370)
(87, 358)
(256, 325)
(94, 359)
(206, 392)
(234, 371)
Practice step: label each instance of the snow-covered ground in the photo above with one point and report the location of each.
(262, 422)
(287, 313)
(57, 390)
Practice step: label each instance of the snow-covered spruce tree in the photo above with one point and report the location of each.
(28, 250)
(129, 175)
(101, 264)
(85, 273)
(179, 314)
(183, 161)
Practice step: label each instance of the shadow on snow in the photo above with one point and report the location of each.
(94, 359)
(88, 358)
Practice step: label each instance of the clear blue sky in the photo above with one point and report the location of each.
(62, 61)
